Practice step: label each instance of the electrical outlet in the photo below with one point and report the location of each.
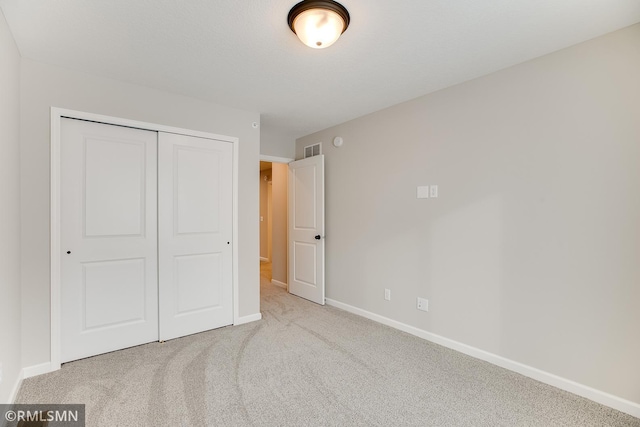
(387, 294)
(422, 192)
(422, 304)
(433, 191)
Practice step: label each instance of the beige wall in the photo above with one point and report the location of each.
(10, 339)
(279, 247)
(531, 250)
(276, 143)
(264, 213)
(43, 86)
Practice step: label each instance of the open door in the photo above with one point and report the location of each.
(306, 228)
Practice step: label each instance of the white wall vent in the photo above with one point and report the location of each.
(313, 150)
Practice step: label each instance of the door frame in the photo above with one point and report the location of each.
(57, 114)
(270, 220)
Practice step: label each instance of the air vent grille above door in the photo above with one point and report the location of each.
(313, 150)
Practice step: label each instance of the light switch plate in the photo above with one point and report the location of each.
(422, 192)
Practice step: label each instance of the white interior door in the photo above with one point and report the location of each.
(108, 238)
(195, 223)
(306, 228)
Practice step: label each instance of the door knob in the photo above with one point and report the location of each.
(318, 237)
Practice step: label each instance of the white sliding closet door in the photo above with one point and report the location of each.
(109, 297)
(195, 230)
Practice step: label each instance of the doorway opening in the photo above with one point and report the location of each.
(273, 223)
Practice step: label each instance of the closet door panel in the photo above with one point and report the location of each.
(108, 238)
(195, 217)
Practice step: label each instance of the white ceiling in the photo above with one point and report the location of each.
(241, 53)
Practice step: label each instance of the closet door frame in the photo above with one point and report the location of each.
(57, 114)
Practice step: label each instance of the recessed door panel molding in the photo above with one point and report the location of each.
(306, 228)
(196, 190)
(108, 244)
(305, 263)
(114, 206)
(305, 179)
(195, 238)
(194, 277)
(104, 283)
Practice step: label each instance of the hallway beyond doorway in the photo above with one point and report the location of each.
(274, 220)
(265, 270)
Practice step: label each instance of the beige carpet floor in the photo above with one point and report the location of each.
(307, 365)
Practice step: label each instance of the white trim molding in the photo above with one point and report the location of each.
(615, 402)
(35, 370)
(279, 283)
(247, 319)
(55, 241)
(14, 390)
(235, 231)
(56, 116)
(28, 372)
(274, 159)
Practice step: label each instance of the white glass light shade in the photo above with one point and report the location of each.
(318, 28)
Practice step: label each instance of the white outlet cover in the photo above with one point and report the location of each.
(433, 191)
(422, 304)
(422, 192)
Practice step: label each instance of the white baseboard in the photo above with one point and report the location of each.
(247, 319)
(28, 372)
(32, 371)
(279, 283)
(615, 402)
(16, 388)
(263, 259)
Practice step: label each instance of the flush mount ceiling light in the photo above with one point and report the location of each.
(318, 23)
